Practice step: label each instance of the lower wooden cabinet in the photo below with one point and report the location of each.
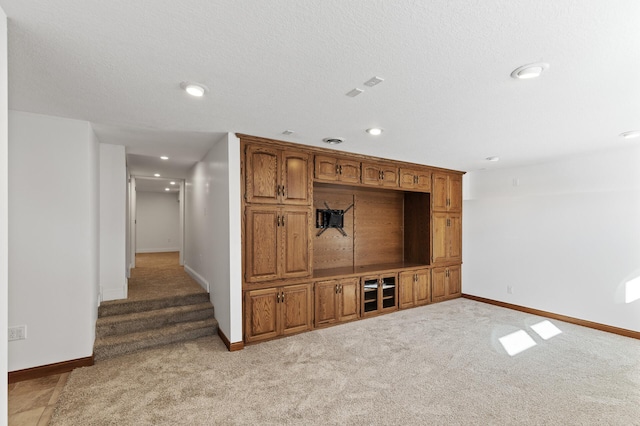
(276, 311)
(379, 294)
(415, 288)
(336, 301)
(445, 283)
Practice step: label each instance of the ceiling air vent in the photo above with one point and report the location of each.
(333, 141)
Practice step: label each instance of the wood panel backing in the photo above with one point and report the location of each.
(378, 227)
(416, 228)
(332, 249)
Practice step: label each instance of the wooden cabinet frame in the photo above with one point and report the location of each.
(446, 192)
(336, 169)
(447, 237)
(414, 288)
(336, 301)
(379, 299)
(446, 283)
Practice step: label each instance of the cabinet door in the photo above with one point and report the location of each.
(389, 176)
(296, 242)
(438, 284)
(326, 168)
(440, 247)
(454, 281)
(262, 239)
(369, 296)
(422, 289)
(371, 174)
(326, 298)
(262, 175)
(423, 180)
(349, 171)
(407, 282)
(407, 178)
(296, 305)
(454, 239)
(439, 194)
(388, 293)
(261, 312)
(349, 295)
(455, 193)
(296, 182)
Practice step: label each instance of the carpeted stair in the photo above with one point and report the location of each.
(128, 326)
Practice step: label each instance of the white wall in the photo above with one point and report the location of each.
(53, 238)
(4, 242)
(566, 238)
(158, 222)
(113, 222)
(212, 232)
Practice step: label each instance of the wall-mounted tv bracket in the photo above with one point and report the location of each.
(330, 218)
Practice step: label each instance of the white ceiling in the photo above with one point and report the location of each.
(447, 98)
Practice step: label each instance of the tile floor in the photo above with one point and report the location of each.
(31, 402)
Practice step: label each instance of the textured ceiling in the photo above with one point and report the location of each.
(447, 98)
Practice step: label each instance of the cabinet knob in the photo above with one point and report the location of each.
(337, 288)
(282, 298)
(278, 298)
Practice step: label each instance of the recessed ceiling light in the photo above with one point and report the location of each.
(529, 71)
(156, 174)
(164, 157)
(630, 135)
(374, 131)
(493, 158)
(287, 132)
(172, 183)
(167, 189)
(194, 89)
(333, 141)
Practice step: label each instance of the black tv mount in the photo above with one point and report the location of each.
(330, 218)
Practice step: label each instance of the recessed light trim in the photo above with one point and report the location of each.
(529, 71)
(355, 92)
(373, 81)
(164, 157)
(287, 132)
(194, 89)
(333, 141)
(167, 189)
(156, 174)
(375, 131)
(631, 134)
(493, 158)
(172, 183)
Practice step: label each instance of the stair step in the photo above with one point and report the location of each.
(120, 307)
(116, 345)
(149, 320)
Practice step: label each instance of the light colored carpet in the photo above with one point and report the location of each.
(438, 364)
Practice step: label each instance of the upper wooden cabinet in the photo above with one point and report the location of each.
(334, 169)
(380, 174)
(447, 237)
(275, 176)
(277, 243)
(447, 192)
(417, 179)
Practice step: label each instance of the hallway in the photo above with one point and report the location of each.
(159, 275)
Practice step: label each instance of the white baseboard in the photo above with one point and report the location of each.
(157, 250)
(114, 293)
(196, 276)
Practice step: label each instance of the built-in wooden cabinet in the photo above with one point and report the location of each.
(380, 174)
(379, 294)
(416, 179)
(447, 237)
(414, 288)
(336, 301)
(275, 176)
(445, 283)
(330, 236)
(335, 169)
(277, 242)
(446, 192)
(276, 311)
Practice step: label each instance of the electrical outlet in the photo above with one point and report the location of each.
(510, 289)
(18, 332)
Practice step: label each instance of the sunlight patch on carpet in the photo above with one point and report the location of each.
(517, 342)
(546, 329)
